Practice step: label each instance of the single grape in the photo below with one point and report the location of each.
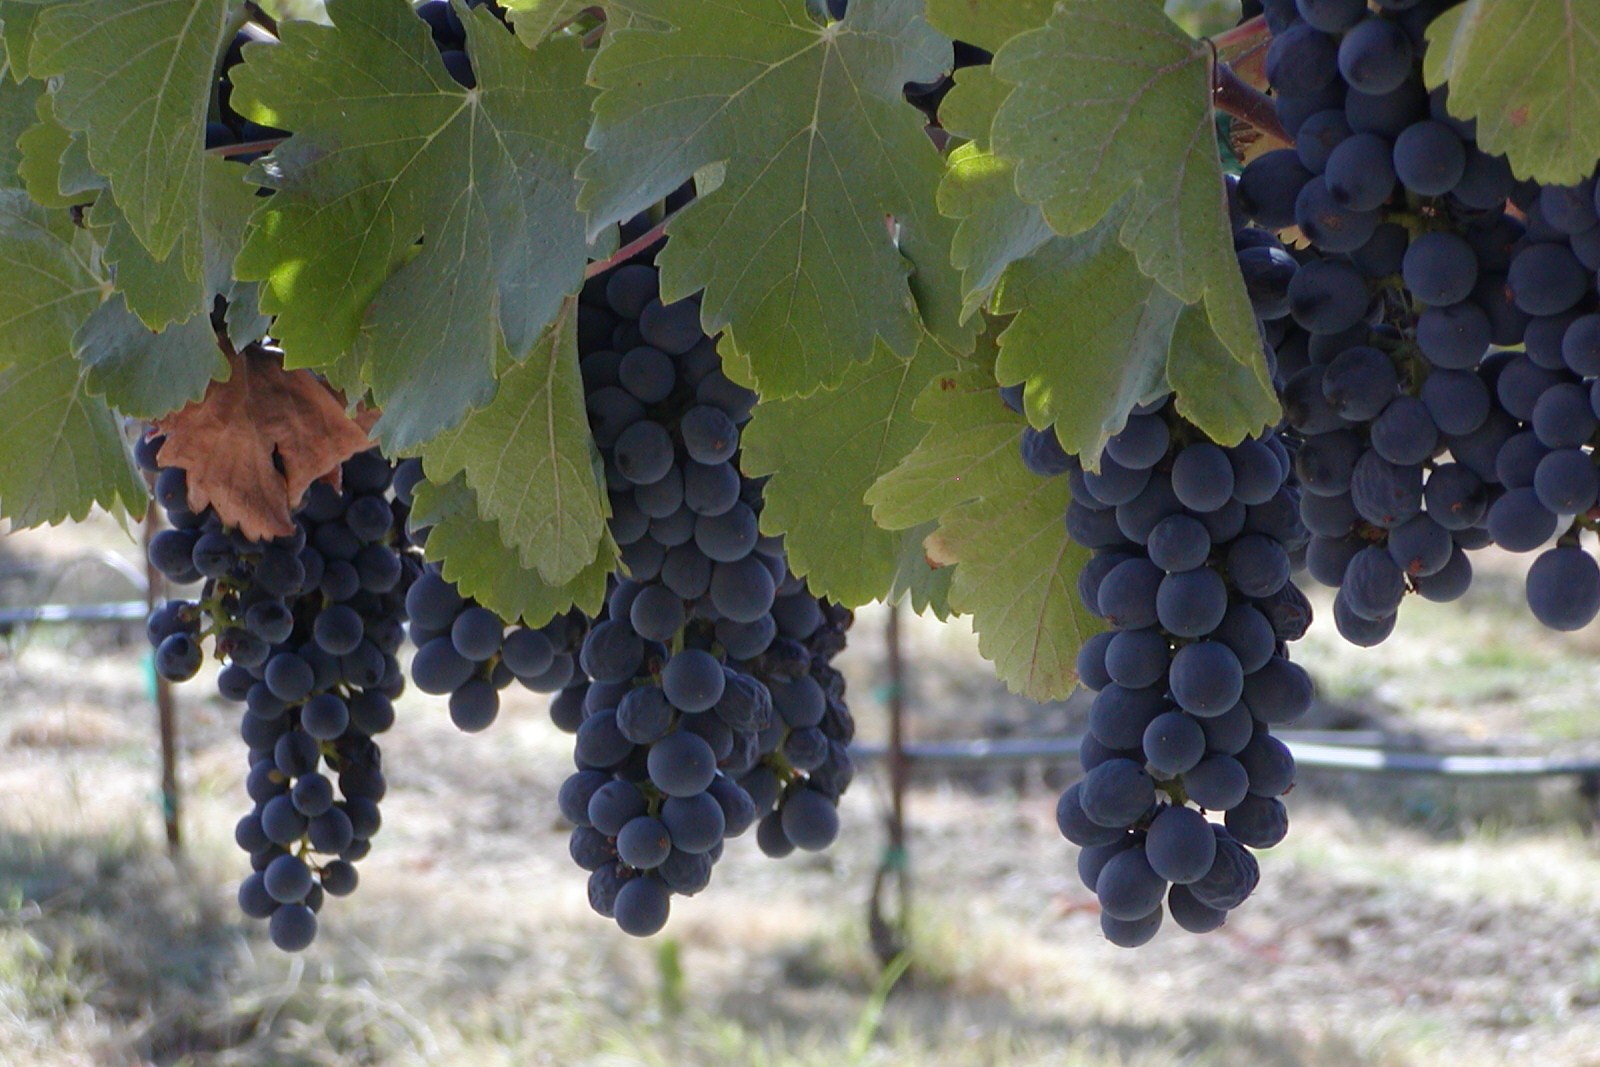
(1330, 225)
(1259, 822)
(1269, 186)
(1217, 783)
(1405, 434)
(744, 590)
(1318, 136)
(1518, 522)
(1302, 60)
(644, 453)
(287, 879)
(1563, 588)
(1429, 158)
(644, 843)
(474, 706)
(1131, 933)
(1189, 913)
(1280, 692)
(1233, 876)
(1547, 279)
(696, 823)
(709, 435)
(682, 764)
(1455, 336)
(693, 680)
(1173, 743)
(1117, 793)
(1331, 16)
(1360, 171)
(1451, 582)
(1440, 268)
(1191, 603)
(178, 657)
(1129, 887)
(1374, 56)
(1179, 543)
(1180, 845)
(1141, 443)
(1327, 296)
(1567, 482)
(1133, 658)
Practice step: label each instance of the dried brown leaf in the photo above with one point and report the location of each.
(254, 443)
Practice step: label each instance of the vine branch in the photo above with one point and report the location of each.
(629, 250)
(594, 11)
(1249, 35)
(1232, 95)
(259, 16)
(246, 148)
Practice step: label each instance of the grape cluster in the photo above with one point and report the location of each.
(467, 652)
(309, 625)
(1193, 551)
(705, 703)
(1425, 264)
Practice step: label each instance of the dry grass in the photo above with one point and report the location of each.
(1403, 923)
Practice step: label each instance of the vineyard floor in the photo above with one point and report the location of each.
(1403, 923)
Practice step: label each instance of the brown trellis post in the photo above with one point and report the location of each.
(166, 707)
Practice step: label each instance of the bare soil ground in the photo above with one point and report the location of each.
(1405, 922)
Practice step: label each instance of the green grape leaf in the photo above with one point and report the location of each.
(246, 324)
(1213, 391)
(17, 114)
(987, 23)
(1525, 72)
(967, 110)
(1016, 570)
(226, 205)
(282, 10)
(927, 586)
(160, 293)
(136, 78)
(1093, 337)
(529, 458)
(1113, 101)
(823, 452)
(51, 285)
(16, 35)
(55, 166)
(471, 554)
(828, 180)
(63, 447)
(996, 227)
(535, 19)
(142, 373)
(418, 225)
(1090, 337)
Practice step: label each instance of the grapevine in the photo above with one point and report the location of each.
(620, 351)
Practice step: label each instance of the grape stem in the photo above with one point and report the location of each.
(1232, 95)
(629, 250)
(247, 148)
(1248, 35)
(259, 16)
(594, 11)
